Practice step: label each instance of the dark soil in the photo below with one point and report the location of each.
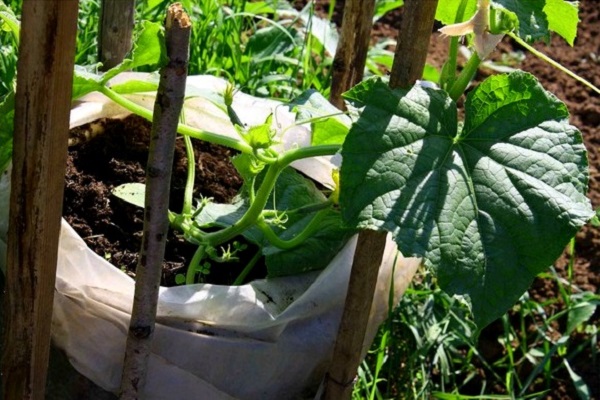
(112, 227)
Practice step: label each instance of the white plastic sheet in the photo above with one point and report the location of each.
(271, 339)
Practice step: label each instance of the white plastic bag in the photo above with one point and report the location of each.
(271, 339)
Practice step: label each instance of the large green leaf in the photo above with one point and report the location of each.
(489, 206)
(533, 23)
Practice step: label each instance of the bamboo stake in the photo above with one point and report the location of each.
(42, 108)
(115, 33)
(409, 61)
(351, 53)
(167, 108)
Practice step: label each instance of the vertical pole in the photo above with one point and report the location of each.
(115, 33)
(167, 109)
(351, 53)
(43, 102)
(409, 61)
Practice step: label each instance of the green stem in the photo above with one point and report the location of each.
(298, 239)
(190, 277)
(555, 64)
(181, 128)
(465, 76)
(307, 152)
(247, 269)
(191, 176)
(254, 211)
(450, 67)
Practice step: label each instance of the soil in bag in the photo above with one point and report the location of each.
(113, 228)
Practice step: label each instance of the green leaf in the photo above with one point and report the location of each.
(583, 391)
(533, 23)
(84, 82)
(595, 221)
(329, 124)
(10, 23)
(490, 206)
(260, 136)
(321, 29)
(447, 9)
(292, 191)
(148, 50)
(315, 253)
(7, 115)
(431, 74)
(580, 313)
(132, 193)
(563, 18)
(259, 7)
(382, 7)
(270, 41)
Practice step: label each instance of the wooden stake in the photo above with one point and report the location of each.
(115, 33)
(351, 53)
(42, 108)
(409, 61)
(167, 108)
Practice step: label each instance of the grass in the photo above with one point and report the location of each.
(428, 346)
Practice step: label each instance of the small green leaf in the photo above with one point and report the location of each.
(329, 124)
(260, 136)
(84, 82)
(132, 193)
(490, 206)
(580, 313)
(563, 18)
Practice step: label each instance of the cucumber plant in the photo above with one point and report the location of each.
(489, 201)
